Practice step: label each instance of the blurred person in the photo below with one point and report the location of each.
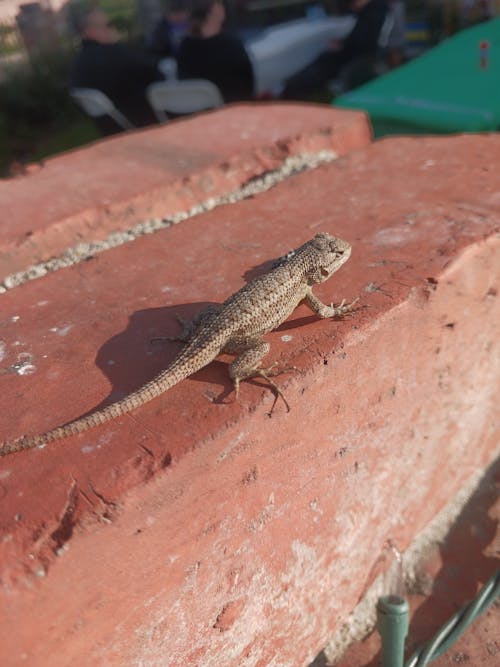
(169, 32)
(360, 42)
(209, 53)
(106, 64)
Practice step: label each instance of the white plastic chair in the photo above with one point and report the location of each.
(182, 97)
(95, 103)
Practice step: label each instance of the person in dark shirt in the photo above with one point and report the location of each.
(209, 53)
(170, 30)
(361, 41)
(113, 68)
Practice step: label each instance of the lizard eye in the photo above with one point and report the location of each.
(324, 272)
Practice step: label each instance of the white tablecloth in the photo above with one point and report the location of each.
(288, 47)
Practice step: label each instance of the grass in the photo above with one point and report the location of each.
(77, 132)
(38, 143)
(38, 118)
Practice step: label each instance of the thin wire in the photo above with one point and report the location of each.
(457, 624)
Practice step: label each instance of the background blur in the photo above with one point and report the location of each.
(37, 116)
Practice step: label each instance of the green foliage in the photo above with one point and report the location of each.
(122, 15)
(118, 9)
(38, 91)
(74, 132)
(10, 39)
(35, 102)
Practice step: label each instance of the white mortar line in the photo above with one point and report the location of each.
(83, 251)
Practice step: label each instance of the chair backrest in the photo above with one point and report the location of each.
(386, 30)
(179, 97)
(95, 103)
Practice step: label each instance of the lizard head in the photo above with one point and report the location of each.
(323, 255)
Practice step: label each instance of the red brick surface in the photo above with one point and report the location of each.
(197, 530)
(86, 194)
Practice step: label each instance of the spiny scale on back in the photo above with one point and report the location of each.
(235, 327)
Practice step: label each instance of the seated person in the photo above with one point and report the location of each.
(209, 53)
(113, 68)
(168, 33)
(361, 41)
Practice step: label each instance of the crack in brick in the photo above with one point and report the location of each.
(111, 509)
(64, 531)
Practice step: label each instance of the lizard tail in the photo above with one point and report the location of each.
(188, 362)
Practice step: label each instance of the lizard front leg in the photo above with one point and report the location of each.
(246, 365)
(322, 310)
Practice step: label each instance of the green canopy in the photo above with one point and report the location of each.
(448, 89)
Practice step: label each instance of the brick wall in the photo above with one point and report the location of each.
(199, 530)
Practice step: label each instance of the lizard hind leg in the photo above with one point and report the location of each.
(246, 366)
(190, 327)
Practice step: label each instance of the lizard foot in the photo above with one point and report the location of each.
(267, 374)
(343, 308)
(270, 373)
(274, 388)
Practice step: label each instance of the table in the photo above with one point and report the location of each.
(286, 48)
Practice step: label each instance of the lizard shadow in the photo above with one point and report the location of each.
(131, 358)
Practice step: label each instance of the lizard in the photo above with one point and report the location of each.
(236, 326)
